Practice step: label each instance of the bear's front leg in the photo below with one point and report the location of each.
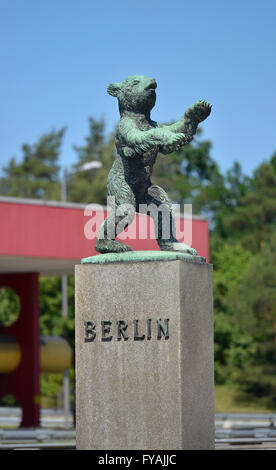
(190, 120)
(195, 114)
(174, 142)
(198, 112)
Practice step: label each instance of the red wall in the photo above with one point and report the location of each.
(58, 232)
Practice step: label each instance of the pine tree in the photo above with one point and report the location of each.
(37, 175)
(90, 186)
(254, 217)
(187, 174)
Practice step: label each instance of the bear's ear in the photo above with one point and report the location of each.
(113, 89)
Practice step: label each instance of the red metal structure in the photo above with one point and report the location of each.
(23, 383)
(48, 237)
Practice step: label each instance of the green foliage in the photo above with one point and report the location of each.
(242, 215)
(254, 217)
(9, 306)
(50, 385)
(51, 389)
(36, 176)
(8, 400)
(90, 186)
(51, 320)
(190, 176)
(245, 305)
(231, 399)
(230, 263)
(254, 304)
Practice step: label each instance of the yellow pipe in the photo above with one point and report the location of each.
(10, 354)
(55, 354)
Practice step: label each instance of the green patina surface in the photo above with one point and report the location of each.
(136, 256)
(139, 140)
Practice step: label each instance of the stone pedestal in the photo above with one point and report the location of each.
(144, 354)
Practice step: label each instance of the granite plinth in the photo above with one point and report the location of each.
(144, 355)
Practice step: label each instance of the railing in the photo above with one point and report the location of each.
(230, 428)
(245, 425)
(11, 416)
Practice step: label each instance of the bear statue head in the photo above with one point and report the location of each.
(136, 93)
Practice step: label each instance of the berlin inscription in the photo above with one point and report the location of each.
(121, 330)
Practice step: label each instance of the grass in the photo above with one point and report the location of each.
(227, 400)
(230, 400)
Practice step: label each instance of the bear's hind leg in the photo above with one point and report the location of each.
(122, 214)
(159, 207)
(112, 226)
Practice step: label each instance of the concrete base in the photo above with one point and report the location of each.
(144, 355)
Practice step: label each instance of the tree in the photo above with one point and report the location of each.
(37, 175)
(254, 304)
(227, 195)
(254, 217)
(231, 261)
(90, 186)
(190, 176)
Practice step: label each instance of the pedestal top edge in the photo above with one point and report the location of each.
(143, 256)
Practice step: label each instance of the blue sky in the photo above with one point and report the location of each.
(58, 56)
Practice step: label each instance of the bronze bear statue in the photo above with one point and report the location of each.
(138, 142)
